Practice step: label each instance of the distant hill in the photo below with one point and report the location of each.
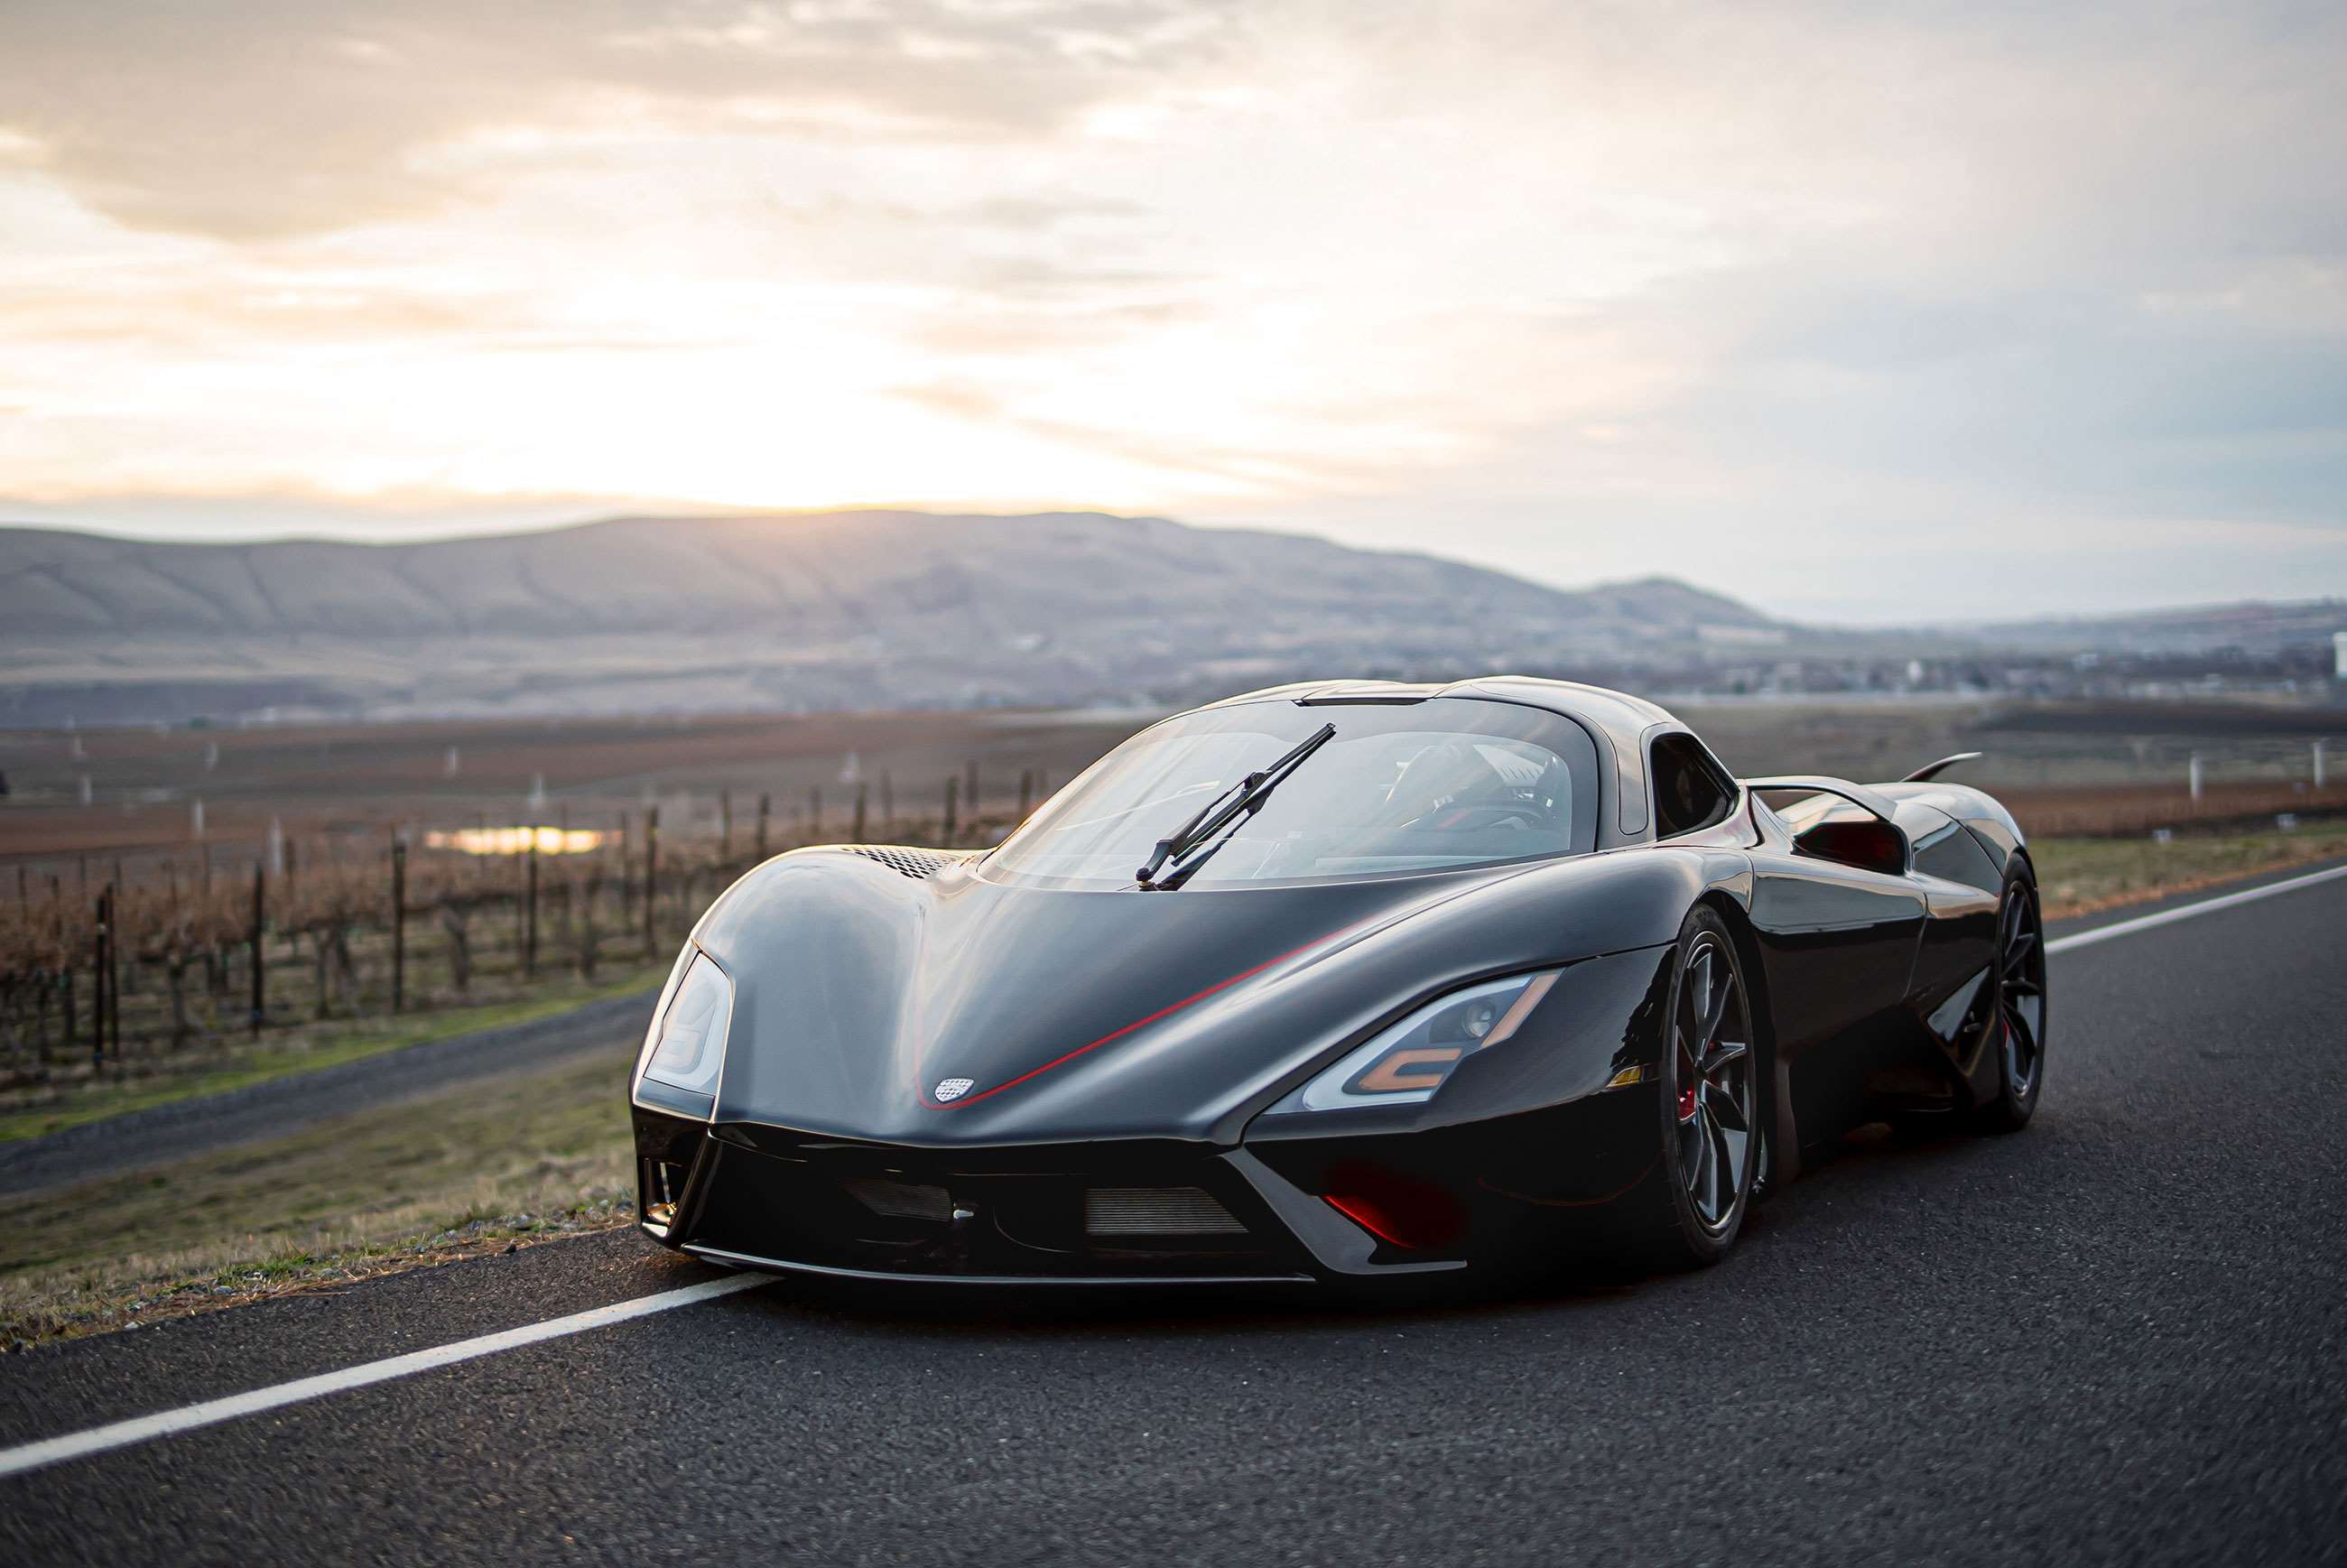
(862, 608)
(2257, 627)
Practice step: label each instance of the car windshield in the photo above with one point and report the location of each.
(1446, 783)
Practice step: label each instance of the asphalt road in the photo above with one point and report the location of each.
(2113, 1337)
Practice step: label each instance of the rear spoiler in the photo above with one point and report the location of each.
(1934, 770)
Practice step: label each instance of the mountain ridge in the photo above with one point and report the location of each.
(864, 608)
(873, 608)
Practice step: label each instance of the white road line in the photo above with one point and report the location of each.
(140, 1428)
(2206, 905)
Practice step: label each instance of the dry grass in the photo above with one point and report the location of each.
(533, 1154)
(2077, 876)
(2134, 810)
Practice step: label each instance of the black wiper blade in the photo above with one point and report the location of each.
(1245, 797)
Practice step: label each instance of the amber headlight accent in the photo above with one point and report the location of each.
(1406, 1062)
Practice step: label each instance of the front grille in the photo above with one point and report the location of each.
(1156, 1211)
(901, 1200)
(917, 1214)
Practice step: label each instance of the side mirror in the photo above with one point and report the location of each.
(1868, 842)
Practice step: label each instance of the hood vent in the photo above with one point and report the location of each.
(920, 864)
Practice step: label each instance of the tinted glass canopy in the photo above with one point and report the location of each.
(1439, 785)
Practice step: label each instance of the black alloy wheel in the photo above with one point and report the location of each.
(2020, 1023)
(1709, 1077)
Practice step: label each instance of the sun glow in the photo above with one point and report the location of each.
(514, 840)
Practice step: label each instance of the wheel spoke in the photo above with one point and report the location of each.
(2025, 1034)
(1728, 1154)
(1721, 1106)
(2022, 986)
(1707, 1165)
(1722, 1053)
(1715, 1007)
(1722, 1173)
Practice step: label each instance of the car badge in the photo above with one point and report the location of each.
(952, 1089)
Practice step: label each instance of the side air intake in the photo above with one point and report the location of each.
(901, 1200)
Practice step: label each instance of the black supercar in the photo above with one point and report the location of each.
(1339, 982)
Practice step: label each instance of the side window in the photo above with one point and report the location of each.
(1690, 791)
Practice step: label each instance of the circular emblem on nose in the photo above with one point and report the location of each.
(949, 1089)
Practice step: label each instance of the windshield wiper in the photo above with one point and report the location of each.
(1243, 798)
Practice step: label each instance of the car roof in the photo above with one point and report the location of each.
(1623, 724)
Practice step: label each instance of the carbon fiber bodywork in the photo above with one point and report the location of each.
(935, 1073)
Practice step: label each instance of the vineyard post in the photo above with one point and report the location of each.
(114, 972)
(858, 835)
(398, 923)
(887, 804)
(952, 785)
(58, 914)
(259, 920)
(652, 878)
(970, 787)
(529, 920)
(815, 812)
(98, 964)
(764, 806)
(1025, 788)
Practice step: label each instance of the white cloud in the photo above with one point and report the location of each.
(1781, 298)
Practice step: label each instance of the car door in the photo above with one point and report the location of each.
(1838, 944)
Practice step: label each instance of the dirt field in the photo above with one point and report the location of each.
(350, 779)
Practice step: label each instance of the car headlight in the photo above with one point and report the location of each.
(1406, 1064)
(687, 1042)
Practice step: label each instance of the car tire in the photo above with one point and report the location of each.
(2018, 1035)
(1709, 1102)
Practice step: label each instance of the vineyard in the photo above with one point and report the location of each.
(104, 973)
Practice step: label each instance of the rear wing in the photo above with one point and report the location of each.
(1808, 784)
(1931, 770)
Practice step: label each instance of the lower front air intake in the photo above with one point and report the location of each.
(1156, 1212)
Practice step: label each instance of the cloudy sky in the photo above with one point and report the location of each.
(1859, 310)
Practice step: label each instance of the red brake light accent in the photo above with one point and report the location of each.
(1367, 1216)
(1398, 1209)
